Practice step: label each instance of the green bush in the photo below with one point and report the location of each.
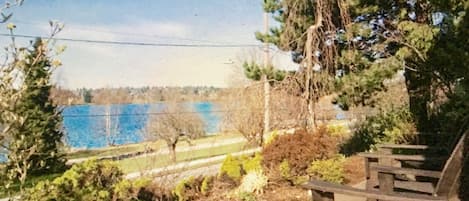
(331, 170)
(236, 167)
(189, 189)
(86, 181)
(285, 171)
(231, 167)
(395, 126)
(271, 137)
(337, 130)
(246, 196)
(180, 189)
(252, 163)
(206, 185)
(253, 182)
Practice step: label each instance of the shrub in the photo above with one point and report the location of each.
(245, 196)
(337, 130)
(206, 185)
(252, 163)
(331, 170)
(155, 192)
(271, 138)
(182, 188)
(285, 171)
(127, 189)
(231, 167)
(86, 181)
(395, 126)
(189, 189)
(236, 167)
(299, 149)
(253, 182)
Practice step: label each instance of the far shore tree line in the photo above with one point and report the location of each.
(124, 95)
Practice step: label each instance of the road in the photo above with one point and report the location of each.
(187, 165)
(165, 150)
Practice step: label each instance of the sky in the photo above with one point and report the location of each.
(151, 21)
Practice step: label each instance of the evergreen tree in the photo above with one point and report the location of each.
(369, 41)
(35, 144)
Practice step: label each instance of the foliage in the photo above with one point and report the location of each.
(177, 122)
(299, 149)
(375, 39)
(246, 196)
(180, 188)
(189, 188)
(253, 182)
(331, 170)
(236, 167)
(286, 174)
(285, 170)
(360, 88)
(295, 17)
(43, 120)
(337, 130)
(271, 137)
(206, 185)
(250, 164)
(395, 126)
(154, 191)
(254, 71)
(31, 124)
(231, 167)
(90, 180)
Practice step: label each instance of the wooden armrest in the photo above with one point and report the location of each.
(411, 171)
(402, 157)
(322, 186)
(403, 146)
(409, 147)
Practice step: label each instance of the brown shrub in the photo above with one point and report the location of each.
(155, 192)
(354, 170)
(299, 149)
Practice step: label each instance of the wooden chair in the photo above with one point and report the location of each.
(386, 161)
(447, 185)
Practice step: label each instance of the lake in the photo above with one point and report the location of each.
(85, 125)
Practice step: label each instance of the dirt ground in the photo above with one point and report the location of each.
(354, 173)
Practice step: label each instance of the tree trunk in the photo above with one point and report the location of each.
(172, 152)
(418, 88)
(310, 121)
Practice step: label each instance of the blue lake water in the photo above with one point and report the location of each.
(85, 125)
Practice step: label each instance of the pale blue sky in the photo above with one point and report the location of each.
(156, 21)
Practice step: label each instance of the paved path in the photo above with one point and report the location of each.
(164, 150)
(179, 167)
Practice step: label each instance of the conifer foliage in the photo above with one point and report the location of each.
(42, 132)
(34, 137)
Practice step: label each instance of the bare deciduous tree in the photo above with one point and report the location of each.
(177, 122)
(244, 114)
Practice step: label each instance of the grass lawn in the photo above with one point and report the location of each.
(30, 182)
(131, 148)
(157, 161)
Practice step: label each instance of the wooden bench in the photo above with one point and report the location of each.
(446, 187)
